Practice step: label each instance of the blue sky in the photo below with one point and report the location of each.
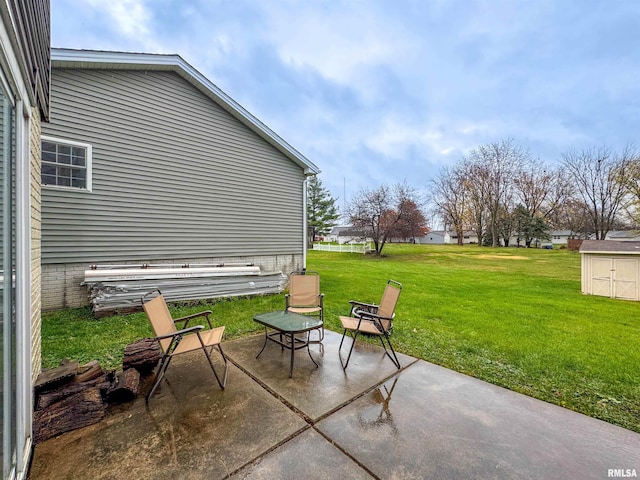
(382, 91)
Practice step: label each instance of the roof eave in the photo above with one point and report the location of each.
(67, 58)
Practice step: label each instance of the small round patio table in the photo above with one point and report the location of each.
(288, 324)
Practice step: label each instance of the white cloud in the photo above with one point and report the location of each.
(131, 17)
(340, 41)
(434, 140)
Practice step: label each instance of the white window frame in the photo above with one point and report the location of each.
(89, 163)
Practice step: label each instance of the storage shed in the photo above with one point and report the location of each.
(611, 269)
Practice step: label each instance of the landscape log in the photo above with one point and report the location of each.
(53, 377)
(76, 411)
(103, 382)
(126, 386)
(142, 355)
(88, 372)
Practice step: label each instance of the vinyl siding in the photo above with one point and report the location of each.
(33, 30)
(36, 268)
(174, 175)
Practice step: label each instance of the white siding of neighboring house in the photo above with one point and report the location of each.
(560, 237)
(434, 238)
(467, 238)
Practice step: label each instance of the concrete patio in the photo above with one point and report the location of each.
(373, 421)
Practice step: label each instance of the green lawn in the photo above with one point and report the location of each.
(513, 317)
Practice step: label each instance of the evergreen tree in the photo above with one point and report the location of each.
(530, 227)
(321, 208)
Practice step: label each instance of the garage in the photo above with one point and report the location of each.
(611, 269)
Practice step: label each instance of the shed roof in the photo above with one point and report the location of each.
(88, 59)
(610, 246)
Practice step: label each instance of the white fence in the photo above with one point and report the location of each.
(345, 248)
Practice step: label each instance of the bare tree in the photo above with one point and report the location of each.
(601, 180)
(542, 189)
(477, 214)
(507, 225)
(573, 215)
(380, 213)
(493, 169)
(631, 203)
(450, 196)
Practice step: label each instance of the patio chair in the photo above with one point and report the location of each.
(174, 342)
(372, 319)
(304, 297)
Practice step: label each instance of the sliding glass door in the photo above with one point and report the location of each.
(7, 284)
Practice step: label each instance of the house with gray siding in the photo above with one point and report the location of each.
(147, 161)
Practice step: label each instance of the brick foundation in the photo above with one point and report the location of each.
(61, 283)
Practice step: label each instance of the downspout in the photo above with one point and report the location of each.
(304, 223)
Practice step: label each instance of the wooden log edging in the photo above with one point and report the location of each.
(76, 411)
(125, 388)
(73, 396)
(143, 355)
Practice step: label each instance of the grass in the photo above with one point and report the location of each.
(513, 317)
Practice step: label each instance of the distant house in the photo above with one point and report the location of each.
(146, 161)
(333, 235)
(435, 237)
(560, 237)
(467, 238)
(448, 237)
(623, 235)
(346, 234)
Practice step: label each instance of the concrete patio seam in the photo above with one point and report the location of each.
(275, 394)
(361, 394)
(346, 453)
(269, 450)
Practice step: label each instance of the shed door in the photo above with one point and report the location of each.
(601, 281)
(625, 278)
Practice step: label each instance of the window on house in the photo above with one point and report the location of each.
(66, 163)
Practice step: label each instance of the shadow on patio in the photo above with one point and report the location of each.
(373, 421)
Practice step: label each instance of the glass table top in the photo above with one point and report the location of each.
(288, 321)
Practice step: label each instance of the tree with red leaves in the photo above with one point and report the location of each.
(387, 212)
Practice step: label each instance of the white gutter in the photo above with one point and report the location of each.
(305, 232)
